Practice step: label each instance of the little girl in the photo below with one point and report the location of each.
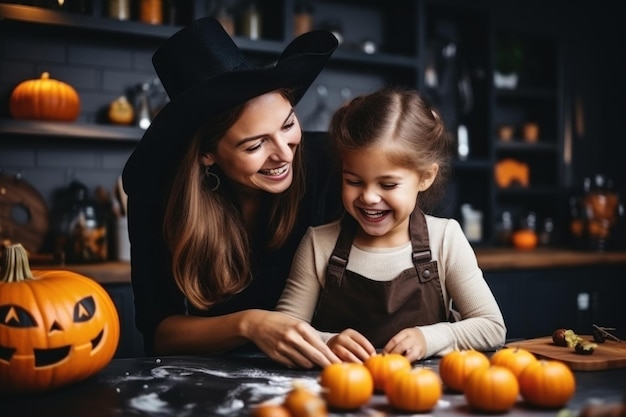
(385, 275)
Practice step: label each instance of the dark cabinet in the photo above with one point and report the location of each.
(535, 302)
(131, 342)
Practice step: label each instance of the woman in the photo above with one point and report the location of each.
(220, 193)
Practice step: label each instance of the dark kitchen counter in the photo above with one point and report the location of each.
(193, 386)
(488, 259)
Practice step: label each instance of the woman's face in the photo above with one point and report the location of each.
(380, 195)
(258, 150)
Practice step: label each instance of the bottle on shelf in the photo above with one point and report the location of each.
(119, 9)
(151, 11)
(302, 17)
(251, 25)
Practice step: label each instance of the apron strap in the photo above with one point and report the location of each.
(419, 237)
(339, 258)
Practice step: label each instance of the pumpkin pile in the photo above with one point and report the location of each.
(490, 384)
(347, 387)
(494, 384)
(56, 327)
(44, 99)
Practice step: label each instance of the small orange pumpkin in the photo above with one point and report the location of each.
(121, 111)
(303, 403)
(383, 365)
(515, 359)
(547, 383)
(56, 327)
(44, 99)
(347, 386)
(414, 390)
(525, 239)
(270, 410)
(455, 366)
(494, 389)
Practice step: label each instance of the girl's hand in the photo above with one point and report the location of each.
(287, 340)
(351, 346)
(408, 342)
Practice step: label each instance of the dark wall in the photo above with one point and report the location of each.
(594, 87)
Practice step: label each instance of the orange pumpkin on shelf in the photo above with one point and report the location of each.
(56, 327)
(121, 112)
(525, 239)
(510, 172)
(44, 99)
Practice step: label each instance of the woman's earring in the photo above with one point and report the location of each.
(212, 179)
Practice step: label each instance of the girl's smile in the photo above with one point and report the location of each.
(380, 195)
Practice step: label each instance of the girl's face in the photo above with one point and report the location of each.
(380, 196)
(257, 151)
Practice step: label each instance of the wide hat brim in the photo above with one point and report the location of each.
(191, 104)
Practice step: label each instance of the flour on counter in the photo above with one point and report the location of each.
(177, 390)
(150, 403)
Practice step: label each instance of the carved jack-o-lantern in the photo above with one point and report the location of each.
(56, 327)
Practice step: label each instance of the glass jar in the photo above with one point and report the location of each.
(602, 210)
(82, 232)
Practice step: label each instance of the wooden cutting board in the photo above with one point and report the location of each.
(607, 355)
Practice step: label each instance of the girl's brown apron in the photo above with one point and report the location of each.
(378, 309)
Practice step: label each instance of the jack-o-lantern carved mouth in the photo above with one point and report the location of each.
(47, 357)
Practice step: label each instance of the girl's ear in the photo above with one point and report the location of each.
(207, 159)
(428, 176)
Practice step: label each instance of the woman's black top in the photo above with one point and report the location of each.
(156, 295)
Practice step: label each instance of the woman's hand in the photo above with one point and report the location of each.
(351, 346)
(287, 340)
(409, 342)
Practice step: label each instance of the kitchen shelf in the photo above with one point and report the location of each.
(70, 130)
(520, 145)
(42, 16)
(532, 93)
(105, 25)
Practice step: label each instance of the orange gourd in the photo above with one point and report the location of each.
(270, 410)
(56, 327)
(525, 239)
(383, 365)
(303, 403)
(455, 366)
(414, 390)
(494, 389)
(44, 99)
(121, 112)
(547, 384)
(346, 386)
(514, 358)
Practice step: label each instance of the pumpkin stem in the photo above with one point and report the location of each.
(45, 75)
(15, 267)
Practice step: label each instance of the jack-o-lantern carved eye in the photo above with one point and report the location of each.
(84, 310)
(16, 316)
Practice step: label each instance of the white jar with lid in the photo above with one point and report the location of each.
(472, 223)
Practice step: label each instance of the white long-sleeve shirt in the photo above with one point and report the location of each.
(481, 326)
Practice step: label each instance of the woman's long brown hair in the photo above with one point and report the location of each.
(205, 230)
